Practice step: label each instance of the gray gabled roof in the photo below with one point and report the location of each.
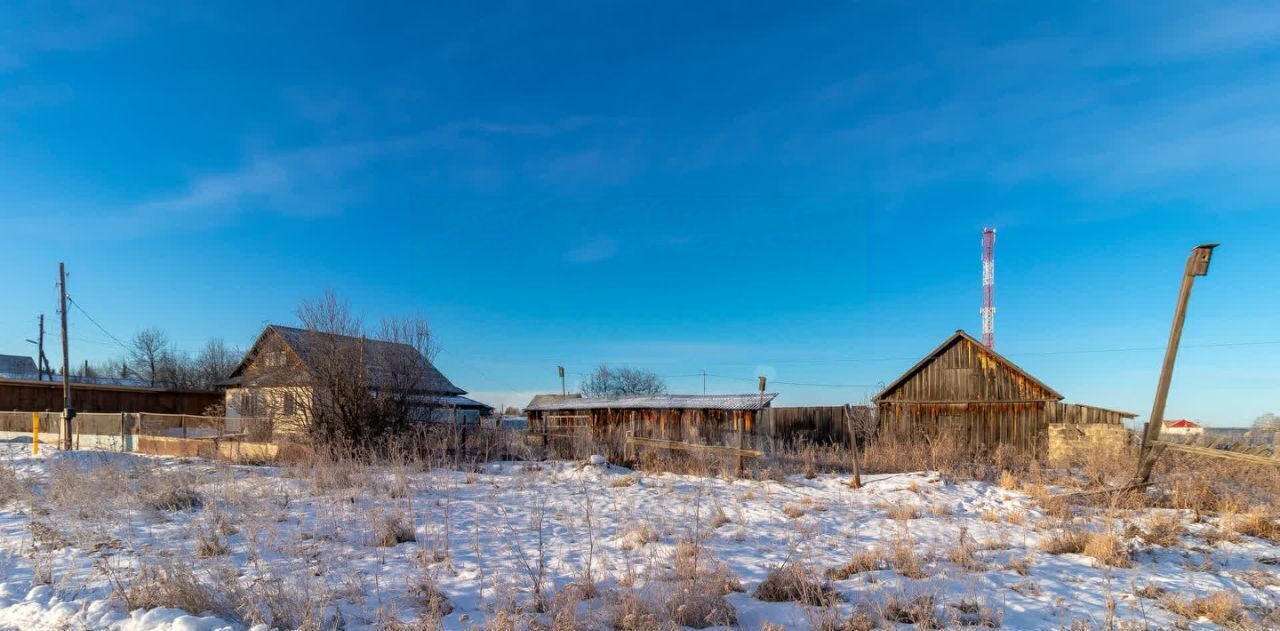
(657, 401)
(380, 358)
(547, 399)
(17, 365)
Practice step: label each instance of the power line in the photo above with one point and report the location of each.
(95, 323)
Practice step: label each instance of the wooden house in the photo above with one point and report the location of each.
(273, 379)
(968, 393)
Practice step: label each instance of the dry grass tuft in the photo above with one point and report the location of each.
(1164, 529)
(864, 561)
(794, 511)
(624, 481)
(391, 529)
(210, 544)
(639, 534)
(172, 583)
(1258, 522)
(1105, 547)
(919, 610)
(1221, 607)
(971, 613)
(434, 603)
(903, 512)
(1009, 480)
(792, 582)
(170, 491)
(1020, 564)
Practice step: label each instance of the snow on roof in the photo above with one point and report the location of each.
(658, 401)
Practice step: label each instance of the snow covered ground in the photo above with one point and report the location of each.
(86, 536)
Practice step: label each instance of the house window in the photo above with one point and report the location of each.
(290, 404)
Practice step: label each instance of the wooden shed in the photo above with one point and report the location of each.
(33, 395)
(968, 393)
(703, 419)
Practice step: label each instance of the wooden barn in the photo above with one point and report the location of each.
(702, 419)
(966, 392)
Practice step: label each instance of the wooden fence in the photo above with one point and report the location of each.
(823, 425)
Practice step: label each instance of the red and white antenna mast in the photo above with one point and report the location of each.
(988, 287)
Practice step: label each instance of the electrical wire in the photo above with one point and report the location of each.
(95, 323)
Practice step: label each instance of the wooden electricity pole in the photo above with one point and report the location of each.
(68, 412)
(1197, 265)
(40, 357)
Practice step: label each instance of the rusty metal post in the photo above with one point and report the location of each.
(1197, 265)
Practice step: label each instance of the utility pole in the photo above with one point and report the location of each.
(40, 357)
(704, 381)
(563, 391)
(68, 412)
(1197, 265)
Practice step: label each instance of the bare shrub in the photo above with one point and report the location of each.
(210, 544)
(172, 583)
(169, 491)
(45, 536)
(792, 582)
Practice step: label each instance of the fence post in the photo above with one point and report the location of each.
(853, 446)
(183, 420)
(124, 445)
(35, 432)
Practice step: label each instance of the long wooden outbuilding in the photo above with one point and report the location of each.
(32, 395)
(964, 392)
(701, 419)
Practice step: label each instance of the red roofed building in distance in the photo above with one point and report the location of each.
(1182, 427)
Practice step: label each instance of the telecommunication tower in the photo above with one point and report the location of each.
(988, 287)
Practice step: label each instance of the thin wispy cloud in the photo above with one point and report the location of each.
(592, 251)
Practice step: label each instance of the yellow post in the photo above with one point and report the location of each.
(35, 433)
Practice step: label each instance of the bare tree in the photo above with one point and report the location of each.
(621, 382)
(363, 388)
(215, 363)
(1268, 422)
(151, 353)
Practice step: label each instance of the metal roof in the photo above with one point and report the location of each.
(17, 365)
(659, 401)
(383, 360)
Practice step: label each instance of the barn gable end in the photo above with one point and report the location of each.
(962, 370)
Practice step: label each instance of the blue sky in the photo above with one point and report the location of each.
(796, 190)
